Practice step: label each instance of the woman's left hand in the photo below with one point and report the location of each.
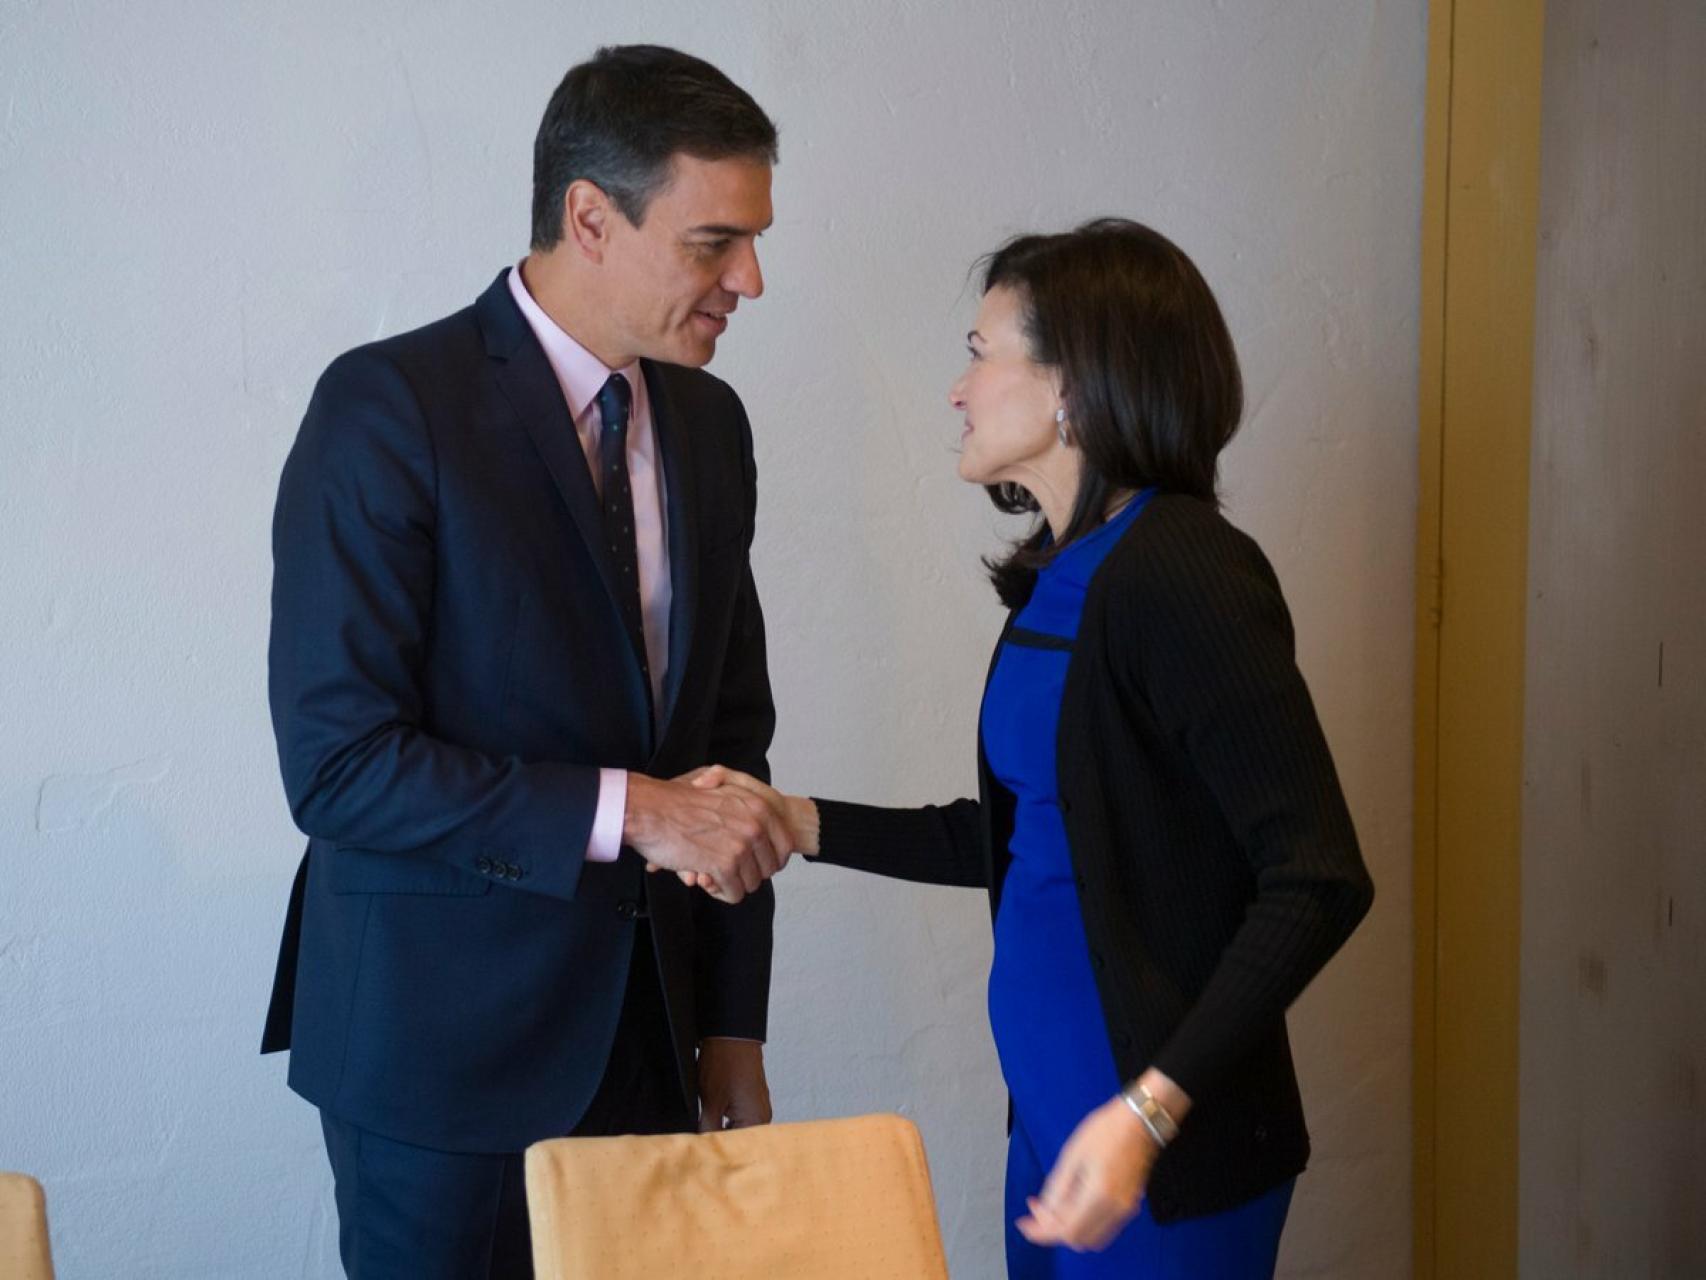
(1097, 1183)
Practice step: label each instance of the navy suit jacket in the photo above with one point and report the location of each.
(448, 670)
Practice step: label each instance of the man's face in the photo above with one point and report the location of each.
(674, 279)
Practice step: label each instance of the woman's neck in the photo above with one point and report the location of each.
(1053, 482)
(1057, 506)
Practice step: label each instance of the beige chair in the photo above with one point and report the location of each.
(824, 1200)
(23, 1229)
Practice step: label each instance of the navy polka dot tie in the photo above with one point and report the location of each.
(614, 399)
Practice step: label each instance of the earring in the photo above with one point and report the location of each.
(1060, 425)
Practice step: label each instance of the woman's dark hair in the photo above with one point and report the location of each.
(618, 119)
(1147, 369)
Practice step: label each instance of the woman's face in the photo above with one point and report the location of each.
(1009, 400)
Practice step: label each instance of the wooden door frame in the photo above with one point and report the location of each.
(1480, 202)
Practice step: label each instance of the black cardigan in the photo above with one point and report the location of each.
(1216, 864)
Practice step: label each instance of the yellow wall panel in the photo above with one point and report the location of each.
(1478, 250)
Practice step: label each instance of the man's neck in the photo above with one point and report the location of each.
(571, 303)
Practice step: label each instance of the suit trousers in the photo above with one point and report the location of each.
(412, 1213)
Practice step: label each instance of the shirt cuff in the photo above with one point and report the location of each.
(605, 842)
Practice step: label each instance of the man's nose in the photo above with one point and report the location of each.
(745, 277)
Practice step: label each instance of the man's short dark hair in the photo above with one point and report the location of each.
(619, 118)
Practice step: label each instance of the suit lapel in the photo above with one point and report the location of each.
(675, 447)
(525, 378)
(526, 381)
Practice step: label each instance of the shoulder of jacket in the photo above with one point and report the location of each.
(413, 353)
(1180, 554)
(1171, 516)
(1174, 533)
(696, 388)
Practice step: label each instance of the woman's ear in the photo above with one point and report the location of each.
(1057, 385)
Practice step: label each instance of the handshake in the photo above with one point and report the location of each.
(718, 829)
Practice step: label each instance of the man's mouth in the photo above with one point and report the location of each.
(712, 321)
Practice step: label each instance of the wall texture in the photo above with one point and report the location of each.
(1613, 1121)
(203, 203)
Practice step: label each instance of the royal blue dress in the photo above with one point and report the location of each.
(1043, 1005)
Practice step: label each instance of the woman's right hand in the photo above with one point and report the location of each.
(796, 813)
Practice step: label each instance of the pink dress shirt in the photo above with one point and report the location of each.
(581, 375)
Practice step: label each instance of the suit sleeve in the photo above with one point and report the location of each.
(354, 547)
(1212, 653)
(733, 943)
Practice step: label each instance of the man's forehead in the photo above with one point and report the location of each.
(718, 197)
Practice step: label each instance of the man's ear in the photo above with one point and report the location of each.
(587, 217)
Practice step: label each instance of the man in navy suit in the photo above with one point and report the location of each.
(512, 606)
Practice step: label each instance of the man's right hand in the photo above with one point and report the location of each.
(728, 835)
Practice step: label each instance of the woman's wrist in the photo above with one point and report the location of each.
(1156, 1106)
(803, 822)
(1174, 1100)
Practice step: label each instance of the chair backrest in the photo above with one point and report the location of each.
(821, 1200)
(23, 1229)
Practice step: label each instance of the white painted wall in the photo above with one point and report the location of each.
(202, 203)
(1613, 1120)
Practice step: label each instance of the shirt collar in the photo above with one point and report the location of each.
(580, 373)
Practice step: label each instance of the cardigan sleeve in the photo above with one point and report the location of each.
(1212, 654)
(935, 844)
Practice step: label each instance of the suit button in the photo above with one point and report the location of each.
(483, 865)
(1261, 1133)
(512, 872)
(628, 910)
(1079, 881)
(1098, 961)
(1065, 805)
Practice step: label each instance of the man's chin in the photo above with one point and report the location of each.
(696, 355)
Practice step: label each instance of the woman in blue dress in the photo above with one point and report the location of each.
(1159, 826)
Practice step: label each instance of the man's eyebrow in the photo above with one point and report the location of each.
(723, 229)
